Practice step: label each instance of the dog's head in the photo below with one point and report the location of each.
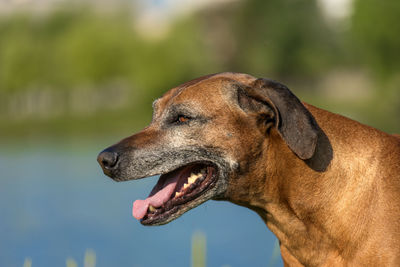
(205, 134)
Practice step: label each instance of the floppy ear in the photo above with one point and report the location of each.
(294, 122)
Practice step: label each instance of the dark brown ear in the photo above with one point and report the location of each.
(294, 122)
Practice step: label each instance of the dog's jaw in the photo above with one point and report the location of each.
(137, 164)
(216, 188)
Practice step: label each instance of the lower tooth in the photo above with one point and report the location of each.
(192, 179)
(178, 194)
(152, 209)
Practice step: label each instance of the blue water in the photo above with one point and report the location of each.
(55, 203)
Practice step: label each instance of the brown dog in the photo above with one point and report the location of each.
(327, 187)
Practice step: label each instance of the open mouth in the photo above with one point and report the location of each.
(175, 192)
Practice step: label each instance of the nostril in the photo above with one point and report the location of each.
(107, 159)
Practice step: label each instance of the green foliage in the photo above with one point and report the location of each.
(48, 62)
(375, 28)
(65, 49)
(283, 38)
(78, 71)
(375, 33)
(72, 47)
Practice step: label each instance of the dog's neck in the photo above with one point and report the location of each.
(294, 199)
(286, 203)
(294, 213)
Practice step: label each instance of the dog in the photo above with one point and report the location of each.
(328, 187)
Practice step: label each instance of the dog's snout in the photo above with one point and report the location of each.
(108, 159)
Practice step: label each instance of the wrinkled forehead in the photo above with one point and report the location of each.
(204, 91)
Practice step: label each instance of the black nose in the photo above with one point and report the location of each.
(107, 159)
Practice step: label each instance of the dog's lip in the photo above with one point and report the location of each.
(116, 175)
(172, 205)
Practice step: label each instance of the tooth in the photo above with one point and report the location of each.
(185, 186)
(152, 209)
(194, 178)
(178, 194)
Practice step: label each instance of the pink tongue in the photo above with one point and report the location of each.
(140, 206)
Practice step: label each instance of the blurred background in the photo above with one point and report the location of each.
(77, 76)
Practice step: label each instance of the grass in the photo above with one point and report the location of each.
(199, 249)
(199, 254)
(88, 261)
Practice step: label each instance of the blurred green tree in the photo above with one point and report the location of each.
(65, 64)
(71, 47)
(376, 35)
(48, 61)
(282, 39)
(376, 32)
